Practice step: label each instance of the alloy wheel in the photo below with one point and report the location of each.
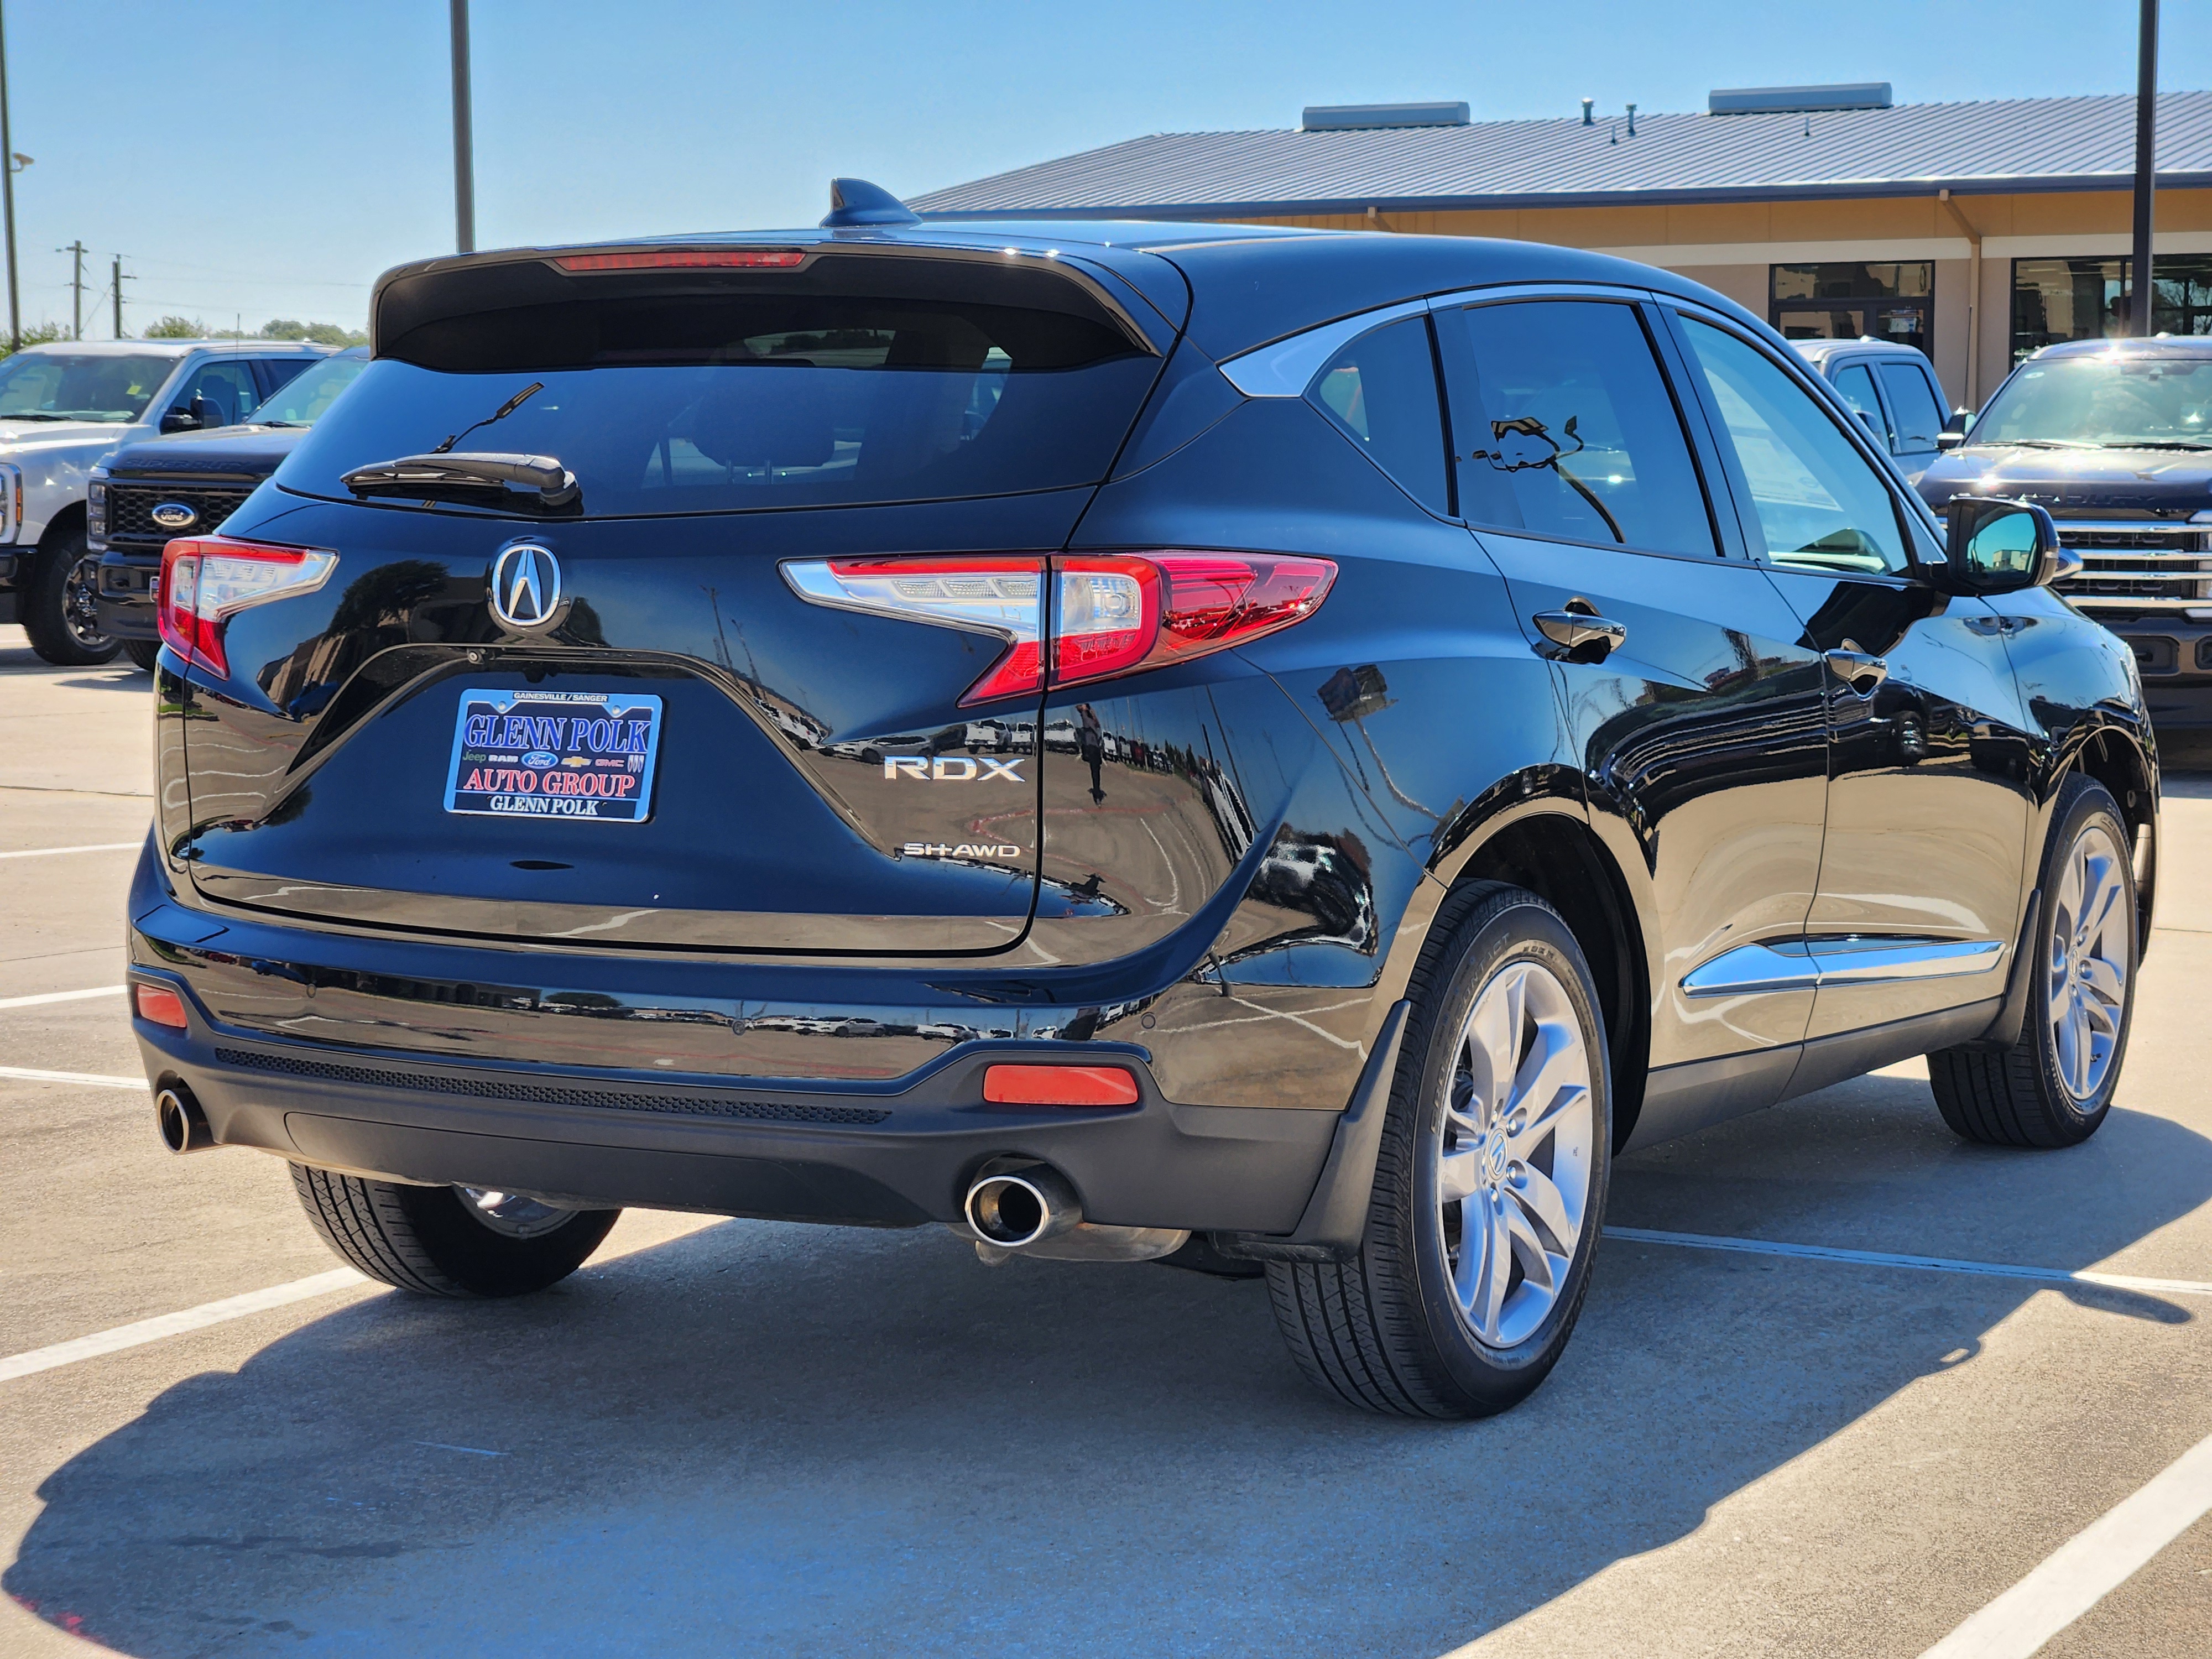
(2092, 950)
(511, 1214)
(1513, 1152)
(81, 604)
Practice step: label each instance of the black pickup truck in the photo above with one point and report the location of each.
(2115, 438)
(186, 484)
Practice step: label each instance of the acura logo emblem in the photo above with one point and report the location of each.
(173, 516)
(525, 585)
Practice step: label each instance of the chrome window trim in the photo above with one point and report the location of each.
(1806, 964)
(1286, 368)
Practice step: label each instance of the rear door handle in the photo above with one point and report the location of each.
(1584, 634)
(1862, 670)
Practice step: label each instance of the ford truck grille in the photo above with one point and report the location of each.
(2136, 568)
(131, 506)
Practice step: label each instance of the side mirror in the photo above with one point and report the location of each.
(1947, 439)
(2000, 546)
(1960, 421)
(180, 419)
(1867, 415)
(205, 412)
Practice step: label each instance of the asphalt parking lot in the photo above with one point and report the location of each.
(735, 1438)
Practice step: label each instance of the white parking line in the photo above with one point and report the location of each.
(89, 1079)
(98, 847)
(2088, 1567)
(60, 996)
(1925, 1263)
(176, 1324)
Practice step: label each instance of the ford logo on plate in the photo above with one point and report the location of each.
(174, 515)
(541, 759)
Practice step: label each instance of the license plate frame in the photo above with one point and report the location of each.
(580, 757)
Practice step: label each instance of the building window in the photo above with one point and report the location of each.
(2057, 300)
(1894, 302)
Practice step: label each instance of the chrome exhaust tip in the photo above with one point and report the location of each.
(180, 1122)
(1014, 1208)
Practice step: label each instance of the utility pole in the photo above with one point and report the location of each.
(2143, 298)
(8, 193)
(464, 163)
(115, 287)
(76, 289)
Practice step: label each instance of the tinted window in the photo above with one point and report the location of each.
(712, 403)
(1565, 428)
(1381, 389)
(79, 386)
(1856, 383)
(304, 399)
(1919, 415)
(1818, 500)
(226, 389)
(279, 371)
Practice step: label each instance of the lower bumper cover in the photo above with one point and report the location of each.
(728, 1147)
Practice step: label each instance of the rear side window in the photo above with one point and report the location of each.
(1820, 503)
(1565, 428)
(1381, 389)
(712, 402)
(1856, 383)
(1919, 416)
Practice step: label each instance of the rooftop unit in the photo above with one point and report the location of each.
(1342, 118)
(1793, 100)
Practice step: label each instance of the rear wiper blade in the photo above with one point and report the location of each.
(476, 474)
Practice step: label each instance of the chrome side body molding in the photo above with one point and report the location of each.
(1804, 964)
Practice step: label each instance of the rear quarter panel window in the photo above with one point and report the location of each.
(1382, 390)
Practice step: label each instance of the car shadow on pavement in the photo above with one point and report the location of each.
(777, 1440)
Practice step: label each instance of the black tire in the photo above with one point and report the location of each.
(2019, 1096)
(58, 608)
(1384, 1330)
(428, 1239)
(142, 653)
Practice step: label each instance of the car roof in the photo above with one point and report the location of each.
(2159, 345)
(170, 347)
(1240, 286)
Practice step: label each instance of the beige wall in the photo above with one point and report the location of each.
(1729, 245)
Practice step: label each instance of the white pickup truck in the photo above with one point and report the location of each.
(64, 406)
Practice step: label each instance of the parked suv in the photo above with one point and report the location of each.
(1454, 710)
(63, 408)
(2114, 437)
(144, 493)
(1892, 389)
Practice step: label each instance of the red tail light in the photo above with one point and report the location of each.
(161, 1006)
(700, 259)
(208, 579)
(1112, 614)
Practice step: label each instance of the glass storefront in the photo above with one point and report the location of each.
(1892, 301)
(2086, 299)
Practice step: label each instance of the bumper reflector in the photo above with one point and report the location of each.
(162, 1007)
(1059, 1086)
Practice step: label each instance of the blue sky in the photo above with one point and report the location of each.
(256, 159)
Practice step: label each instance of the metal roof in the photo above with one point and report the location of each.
(1999, 145)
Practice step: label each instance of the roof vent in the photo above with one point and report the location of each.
(1339, 117)
(1790, 101)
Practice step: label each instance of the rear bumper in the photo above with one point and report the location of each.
(897, 1158)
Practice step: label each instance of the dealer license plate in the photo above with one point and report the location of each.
(554, 755)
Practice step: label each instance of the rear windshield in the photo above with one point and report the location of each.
(718, 402)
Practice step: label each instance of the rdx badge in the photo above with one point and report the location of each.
(953, 769)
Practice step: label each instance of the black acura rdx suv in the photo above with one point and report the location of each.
(1272, 751)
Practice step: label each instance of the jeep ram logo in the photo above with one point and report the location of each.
(953, 769)
(174, 515)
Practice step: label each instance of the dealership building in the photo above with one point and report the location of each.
(1976, 231)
